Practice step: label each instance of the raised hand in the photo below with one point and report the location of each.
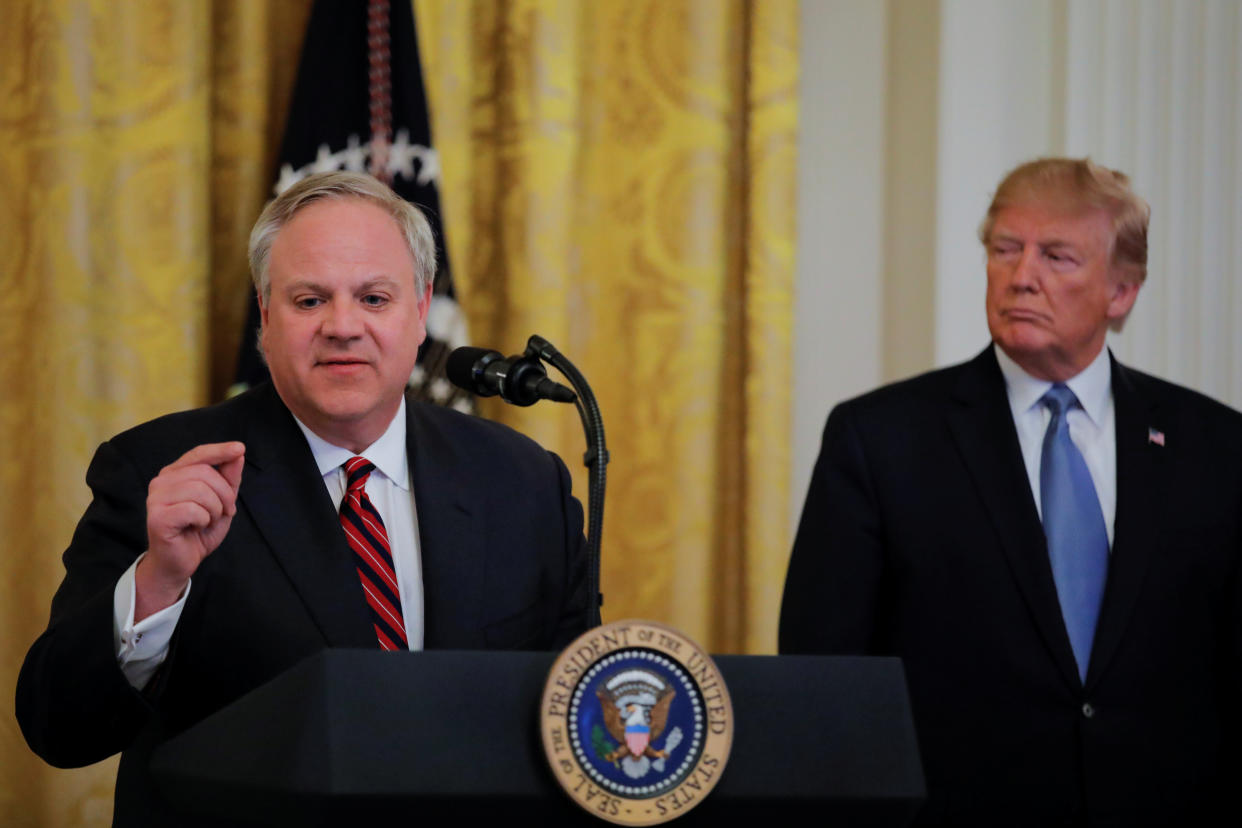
(190, 506)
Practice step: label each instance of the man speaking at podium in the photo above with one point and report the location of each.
(1052, 542)
(224, 545)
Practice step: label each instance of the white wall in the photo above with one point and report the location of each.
(840, 217)
(1154, 88)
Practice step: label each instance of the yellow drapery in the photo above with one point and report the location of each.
(617, 176)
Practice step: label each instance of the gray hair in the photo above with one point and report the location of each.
(410, 220)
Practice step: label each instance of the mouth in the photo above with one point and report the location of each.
(1023, 315)
(341, 363)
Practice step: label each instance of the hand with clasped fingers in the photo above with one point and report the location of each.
(190, 506)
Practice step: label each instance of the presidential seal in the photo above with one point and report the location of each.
(636, 722)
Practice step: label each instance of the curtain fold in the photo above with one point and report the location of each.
(104, 151)
(136, 141)
(617, 177)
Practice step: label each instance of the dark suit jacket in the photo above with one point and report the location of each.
(920, 538)
(503, 567)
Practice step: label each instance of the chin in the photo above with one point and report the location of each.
(349, 411)
(341, 404)
(1021, 338)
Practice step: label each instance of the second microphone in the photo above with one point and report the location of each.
(520, 380)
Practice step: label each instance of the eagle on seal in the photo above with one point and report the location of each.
(635, 705)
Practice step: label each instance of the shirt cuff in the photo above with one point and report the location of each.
(141, 648)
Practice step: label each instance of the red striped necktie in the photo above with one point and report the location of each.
(364, 529)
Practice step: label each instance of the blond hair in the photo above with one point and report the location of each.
(1081, 185)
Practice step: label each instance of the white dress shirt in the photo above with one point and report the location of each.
(1092, 426)
(142, 647)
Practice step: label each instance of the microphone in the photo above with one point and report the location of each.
(519, 379)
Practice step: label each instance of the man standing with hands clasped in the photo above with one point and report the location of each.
(224, 545)
(1052, 542)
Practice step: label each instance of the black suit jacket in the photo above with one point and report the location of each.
(503, 566)
(920, 538)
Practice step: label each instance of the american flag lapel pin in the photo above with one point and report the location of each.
(1156, 436)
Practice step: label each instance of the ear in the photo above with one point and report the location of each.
(264, 307)
(1125, 290)
(424, 306)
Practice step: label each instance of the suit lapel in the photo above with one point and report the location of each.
(983, 430)
(1139, 494)
(284, 494)
(451, 538)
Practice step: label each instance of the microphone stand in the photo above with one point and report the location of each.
(595, 459)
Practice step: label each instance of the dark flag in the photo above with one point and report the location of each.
(359, 105)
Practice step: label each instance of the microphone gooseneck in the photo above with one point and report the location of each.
(522, 380)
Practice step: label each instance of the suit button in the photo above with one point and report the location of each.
(1087, 710)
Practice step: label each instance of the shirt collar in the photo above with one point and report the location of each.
(387, 453)
(1092, 386)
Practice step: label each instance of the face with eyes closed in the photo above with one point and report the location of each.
(343, 323)
(1052, 290)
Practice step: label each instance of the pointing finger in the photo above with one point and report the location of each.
(232, 471)
(213, 454)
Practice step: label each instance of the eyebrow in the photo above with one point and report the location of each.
(377, 281)
(1043, 243)
(304, 284)
(316, 287)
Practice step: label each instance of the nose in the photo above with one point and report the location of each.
(341, 320)
(1026, 274)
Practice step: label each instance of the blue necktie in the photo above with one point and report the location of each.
(1074, 527)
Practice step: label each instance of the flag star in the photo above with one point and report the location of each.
(440, 389)
(429, 166)
(288, 177)
(354, 156)
(325, 161)
(401, 156)
(446, 322)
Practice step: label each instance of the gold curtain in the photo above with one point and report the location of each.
(136, 142)
(617, 176)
